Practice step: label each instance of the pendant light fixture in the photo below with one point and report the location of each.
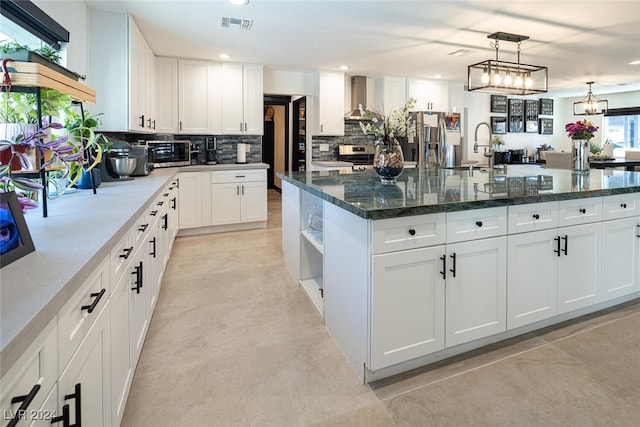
(590, 105)
(504, 77)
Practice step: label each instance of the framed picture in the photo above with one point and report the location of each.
(498, 124)
(516, 115)
(546, 107)
(498, 104)
(531, 115)
(15, 240)
(545, 126)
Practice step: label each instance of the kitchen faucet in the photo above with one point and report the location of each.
(489, 153)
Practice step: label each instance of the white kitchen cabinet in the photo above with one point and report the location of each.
(167, 95)
(85, 384)
(532, 277)
(579, 267)
(619, 257)
(430, 95)
(138, 318)
(47, 411)
(390, 94)
(120, 69)
(198, 97)
(238, 196)
(26, 385)
(407, 305)
(327, 108)
(192, 187)
(242, 99)
(476, 293)
(122, 366)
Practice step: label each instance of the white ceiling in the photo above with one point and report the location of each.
(579, 40)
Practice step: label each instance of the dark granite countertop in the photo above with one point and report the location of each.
(422, 191)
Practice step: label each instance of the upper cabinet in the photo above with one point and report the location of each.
(117, 49)
(198, 96)
(188, 96)
(242, 99)
(430, 95)
(390, 94)
(327, 110)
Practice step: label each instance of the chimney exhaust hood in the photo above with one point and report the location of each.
(359, 97)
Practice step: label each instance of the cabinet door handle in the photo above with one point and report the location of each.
(138, 273)
(536, 216)
(321, 128)
(479, 223)
(76, 395)
(180, 127)
(64, 417)
(566, 241)
(453, 270)
(412, 232)
(582, 210)
(153, 242)
(240, 126)
(243, 189)
(245, 126)
(443, 258)
(237, 190)
(126, 253)
(638, 228)
(557, 239)
(141, 121)
(149, 121)
(154, 125)
(94, 303)
(165, 221)
(26, 401)
(173, 203)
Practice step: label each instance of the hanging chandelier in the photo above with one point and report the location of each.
(590, 105)
(504, 77)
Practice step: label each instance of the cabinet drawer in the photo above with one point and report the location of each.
(397, 234)
(476, 224)
(620, 206)
(580, 211)
(121, 255)
(532, 217)
(77, 316)
(29, 381)
(242, 175)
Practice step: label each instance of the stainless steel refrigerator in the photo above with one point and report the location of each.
(434, 139)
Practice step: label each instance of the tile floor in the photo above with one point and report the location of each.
(235, 342)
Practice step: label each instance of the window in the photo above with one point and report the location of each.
(621, 127)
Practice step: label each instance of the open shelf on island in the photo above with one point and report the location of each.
(313, 289)
(315, 238)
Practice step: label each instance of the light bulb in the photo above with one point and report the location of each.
(485, 76)
(528, 82)
(497, 78)
(518, 82)
(507, 79)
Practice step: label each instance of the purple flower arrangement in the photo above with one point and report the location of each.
(581, 130)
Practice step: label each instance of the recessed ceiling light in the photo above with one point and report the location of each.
(438, 76)
(223, 56)
(344, 67)
(239, 2)
(636, 62)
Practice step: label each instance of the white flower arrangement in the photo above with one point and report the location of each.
(387, 128)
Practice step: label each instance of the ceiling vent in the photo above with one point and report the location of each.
(239, 23)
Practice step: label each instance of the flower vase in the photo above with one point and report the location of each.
(388, 162)
(580, 156)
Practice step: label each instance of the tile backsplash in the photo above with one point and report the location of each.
(352, 135)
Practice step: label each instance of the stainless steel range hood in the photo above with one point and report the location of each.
(359, 97)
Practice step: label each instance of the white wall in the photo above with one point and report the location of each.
(72, 15)
(284, 82)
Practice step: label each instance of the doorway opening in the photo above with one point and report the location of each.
(276, 137)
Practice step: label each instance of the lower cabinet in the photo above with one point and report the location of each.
(476, 294)
(620, 257)
(84, 388)
(407, 305)
(191, 199)
(238, 196)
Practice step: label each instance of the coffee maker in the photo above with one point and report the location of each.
(211, 156)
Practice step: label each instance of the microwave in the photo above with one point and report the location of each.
(164, 154)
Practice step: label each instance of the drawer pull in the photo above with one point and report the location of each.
(143, 227)
(126, 253)
(582, 210)
(412, 231)
(240, 176)
(623, 205)
(479, 223)
(160, 203)
(153, 213)
(26, 401)
(536, 216)
(443, 258)
(165, 195)
(94, 304)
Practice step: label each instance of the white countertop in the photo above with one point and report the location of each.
(78, 234)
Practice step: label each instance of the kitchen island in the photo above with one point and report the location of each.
(446, 261)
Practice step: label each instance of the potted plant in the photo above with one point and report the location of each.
(46, 55)
(82, 130)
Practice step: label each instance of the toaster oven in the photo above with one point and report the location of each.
(164, 154)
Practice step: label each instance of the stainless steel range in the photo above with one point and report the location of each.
(361, 155)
